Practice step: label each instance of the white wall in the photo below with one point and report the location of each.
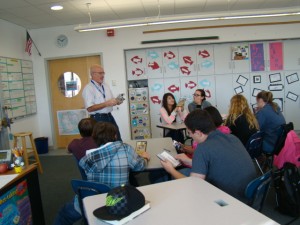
(112, 49)
(12, 45)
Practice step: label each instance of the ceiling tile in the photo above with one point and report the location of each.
(6, 4)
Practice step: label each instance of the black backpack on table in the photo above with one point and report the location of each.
(287, 189)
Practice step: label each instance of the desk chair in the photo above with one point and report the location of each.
(257, 190)
(282, 133)
(82, 173)
(86, 188)
(254, 147)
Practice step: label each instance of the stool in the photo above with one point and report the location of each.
(28, 151)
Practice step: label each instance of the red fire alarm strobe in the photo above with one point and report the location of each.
(110, 32)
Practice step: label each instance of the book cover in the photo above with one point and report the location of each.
(141, 146)
(166, 156)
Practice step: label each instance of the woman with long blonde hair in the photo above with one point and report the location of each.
(240, 119)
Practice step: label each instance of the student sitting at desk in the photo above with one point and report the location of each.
(270, 118)
(108, 164)
(218, 121)
(199, 101)
(240, 119)
(221, 159)
(171, 113)
(78, 147)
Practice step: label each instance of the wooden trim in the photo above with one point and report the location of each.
(220, 26)
(180, 39)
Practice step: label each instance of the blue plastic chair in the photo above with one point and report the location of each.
(84, 189)
(257, 190)
(254, 147)
(82, 173)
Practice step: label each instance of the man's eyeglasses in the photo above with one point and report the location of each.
(100, 73)
(196, 95)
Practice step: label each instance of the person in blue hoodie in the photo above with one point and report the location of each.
(270, 118)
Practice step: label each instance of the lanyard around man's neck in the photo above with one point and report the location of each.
(97, 87)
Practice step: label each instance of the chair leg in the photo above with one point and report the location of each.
(259, 167)
(36, 156)
(24, 148)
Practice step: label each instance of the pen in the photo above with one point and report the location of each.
(167, 150)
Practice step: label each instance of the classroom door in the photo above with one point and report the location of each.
(68, 77)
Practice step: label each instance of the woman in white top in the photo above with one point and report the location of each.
(171, 113)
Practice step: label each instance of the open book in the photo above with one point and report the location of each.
(166, 156)
(130, 217)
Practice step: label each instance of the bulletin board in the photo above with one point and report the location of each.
(17, 85)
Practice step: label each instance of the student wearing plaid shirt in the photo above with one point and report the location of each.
(108, 164)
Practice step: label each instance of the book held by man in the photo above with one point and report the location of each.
(167, 156)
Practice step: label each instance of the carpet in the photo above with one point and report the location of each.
(55, 183)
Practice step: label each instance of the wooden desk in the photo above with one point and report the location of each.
(173, 126)
(155, 146)
(28, 203)
(185, 201)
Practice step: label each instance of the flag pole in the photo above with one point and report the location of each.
(34, 44)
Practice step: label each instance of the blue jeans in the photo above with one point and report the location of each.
(107, 117)
(67, 215)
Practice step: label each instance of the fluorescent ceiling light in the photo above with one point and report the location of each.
(174, 20)
(56, 7)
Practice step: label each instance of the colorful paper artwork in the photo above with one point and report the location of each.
(276, 56)
(240, 52)
(257, 57)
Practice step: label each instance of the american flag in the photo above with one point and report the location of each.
(28, 44)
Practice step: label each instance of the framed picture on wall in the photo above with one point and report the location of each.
(279, 102)
(292, 78)
(239, 90)
(254, 108)
(257, 79)
(275, 77)
(292, 96)
(242, 80)
(255, 92)
(275, 87)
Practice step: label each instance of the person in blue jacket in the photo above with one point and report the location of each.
(270, 118)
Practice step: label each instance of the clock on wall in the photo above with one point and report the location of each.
(61, 41)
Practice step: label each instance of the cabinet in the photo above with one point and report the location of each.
(205, 59)
(231, 58)
(224, 70)
(136, 64)
(139, 113)
(187, 61)
(291, 55)
(170, 62)
(266, 56)
(154, 63)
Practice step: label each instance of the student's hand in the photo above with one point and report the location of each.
(145, 155)
(184, 159)
(178, 109)
(167, 165)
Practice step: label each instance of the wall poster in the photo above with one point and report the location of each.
(17, 83)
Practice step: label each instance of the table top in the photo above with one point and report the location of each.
(154, 147)
(173, 126)
(10, 176)
(189, 200)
